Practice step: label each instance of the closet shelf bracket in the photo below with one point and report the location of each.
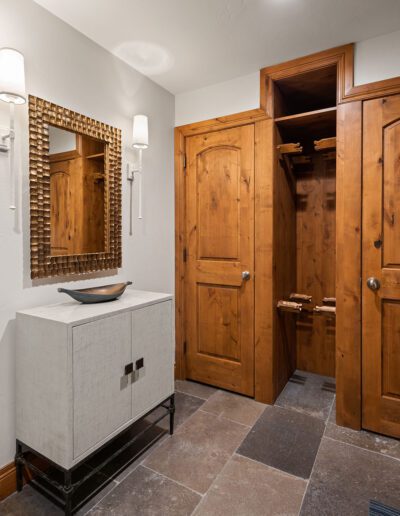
(290, 148)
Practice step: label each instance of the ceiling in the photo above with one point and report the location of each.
(188, 44)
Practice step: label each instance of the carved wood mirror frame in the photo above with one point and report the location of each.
(42, 114)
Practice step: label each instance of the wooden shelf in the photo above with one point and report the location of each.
(307, 117)
(290, 148)
(325, 144)
(96, 156)
(312, 124)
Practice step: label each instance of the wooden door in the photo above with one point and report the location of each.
(61, 211)
(381, 266)
(102, 393)
(219, 303)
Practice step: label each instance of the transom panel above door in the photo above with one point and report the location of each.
(220, 258)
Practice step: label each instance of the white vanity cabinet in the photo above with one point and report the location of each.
(85, 372)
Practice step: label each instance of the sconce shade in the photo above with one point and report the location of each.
(12, 76)
(140, 132)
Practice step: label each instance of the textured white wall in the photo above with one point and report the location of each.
(375, 59)
(67, 68)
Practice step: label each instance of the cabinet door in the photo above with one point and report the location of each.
(101, 392)
(152, 341)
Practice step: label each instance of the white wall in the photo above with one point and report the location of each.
(224, 98)
(60, 140)
(375, 59)
(65, 67)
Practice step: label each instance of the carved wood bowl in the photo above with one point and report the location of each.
(97, 294)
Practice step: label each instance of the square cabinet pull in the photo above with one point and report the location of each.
(129, 368)
(139, 363)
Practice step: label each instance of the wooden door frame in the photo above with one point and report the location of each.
(255, 116)
(348, 231)
(343, 57)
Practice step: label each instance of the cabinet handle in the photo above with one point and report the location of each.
(139, 363)
(129, 368)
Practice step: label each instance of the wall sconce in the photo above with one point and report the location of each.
(140, 141)
(12, 91)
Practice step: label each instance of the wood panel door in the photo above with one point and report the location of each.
(381, 266)
(219, 299)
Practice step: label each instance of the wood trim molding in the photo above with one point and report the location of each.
(343, 57)
(63, 156)
(42, 114)
(8, 482)
(180, 244)
(264, 372)
(223, 122)
(348, 258)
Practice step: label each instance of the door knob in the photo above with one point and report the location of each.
(373, 284)
(245, 275)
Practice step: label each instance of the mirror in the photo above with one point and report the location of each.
(77, 180)
(75, 192)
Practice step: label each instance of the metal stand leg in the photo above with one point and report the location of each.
(67, 491)
(19, 467)
(171, 414)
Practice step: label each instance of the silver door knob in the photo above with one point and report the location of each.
(245, 275)
(373, 284)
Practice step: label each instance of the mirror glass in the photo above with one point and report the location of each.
(77, 193)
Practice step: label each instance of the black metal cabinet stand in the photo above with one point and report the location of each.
(62, 492)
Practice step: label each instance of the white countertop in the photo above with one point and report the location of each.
(72, 312)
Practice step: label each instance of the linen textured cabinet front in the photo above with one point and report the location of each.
(78, 385)
(106, 395)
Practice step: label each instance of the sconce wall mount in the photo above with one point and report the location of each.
(12, 91)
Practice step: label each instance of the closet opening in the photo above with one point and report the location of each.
(305, 224)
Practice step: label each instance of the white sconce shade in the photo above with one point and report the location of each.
(12, 76)
(140, 132)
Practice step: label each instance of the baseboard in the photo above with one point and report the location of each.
(8, 484)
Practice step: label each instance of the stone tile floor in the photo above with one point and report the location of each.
(233, 456)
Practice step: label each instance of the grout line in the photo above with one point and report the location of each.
(316, 457)
(222, 469)
(330, 413)
(298, 411)
(220, 416)
(193, 395)
(141, 463)
(172, 480)
(102, 498)
(361, 448)
(272, 467)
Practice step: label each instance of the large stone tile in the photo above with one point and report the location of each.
(245, 488)
(31, 503)
(235, 407)
(194, 389)
(28, 503)
(308, 397)
(363, 439)
(146, 493)
(185, 406)
(198, 451)
(284, 439)
(345, 478)
(118, 467)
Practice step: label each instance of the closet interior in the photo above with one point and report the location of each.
(304, 107)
